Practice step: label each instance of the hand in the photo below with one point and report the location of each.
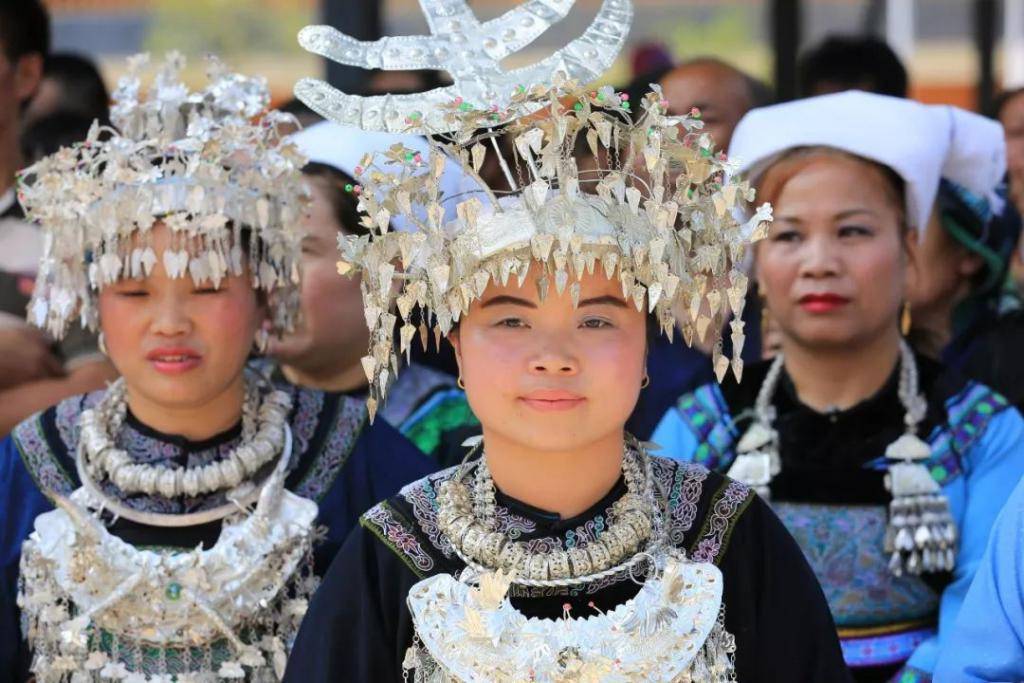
(25, 356)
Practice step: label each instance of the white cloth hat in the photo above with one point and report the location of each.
(921, 143)
(343, 147)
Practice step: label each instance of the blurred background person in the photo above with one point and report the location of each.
(965, 310)
(719, 91)
(46, 135)
(44, 372)
(71, 84)
(852, 63)
(1010, 112)
(722, 94)
(326, 349)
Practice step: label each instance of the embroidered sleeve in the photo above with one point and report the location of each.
(394, 531)
(35, 445)
(970, 413)
(726, 508)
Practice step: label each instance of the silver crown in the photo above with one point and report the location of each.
(468, 49)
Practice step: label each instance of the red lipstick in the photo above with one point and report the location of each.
(822, 303)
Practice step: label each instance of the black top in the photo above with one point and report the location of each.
(358, 626)
(827, 456)
(991, 354)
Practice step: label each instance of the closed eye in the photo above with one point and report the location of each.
(132, 292)
(207, 290)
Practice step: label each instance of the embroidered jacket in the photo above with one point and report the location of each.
(359, 627)
(832, 498)
(338, 460)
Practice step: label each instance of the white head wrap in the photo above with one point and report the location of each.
(921, 143)
(345, 147)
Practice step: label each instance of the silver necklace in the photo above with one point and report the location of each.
(921, 534)
(468, 518)
(238, 500)
(264, 418)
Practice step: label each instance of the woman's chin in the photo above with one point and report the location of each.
(553, 435)
(819, 336)
(178, 391)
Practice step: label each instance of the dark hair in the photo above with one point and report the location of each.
(81, 85)
(1004, 99)
(343, 200)
(848, 62)
(425, 79)
(24, 28)
(50, 133)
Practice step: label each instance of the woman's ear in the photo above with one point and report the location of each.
(27, 76)
(969, 263)
(912, 250)
(453, 339)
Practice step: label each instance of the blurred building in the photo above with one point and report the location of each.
(937, 38)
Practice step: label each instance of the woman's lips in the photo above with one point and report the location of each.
(552, 400)
(174, 360)
(822, 303)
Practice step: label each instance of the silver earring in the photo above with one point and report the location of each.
(262, 341)
(101, 343)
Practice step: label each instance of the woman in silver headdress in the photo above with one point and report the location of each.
(561, 549)
(195, 502)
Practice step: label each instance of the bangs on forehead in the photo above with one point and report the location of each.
(773, 180)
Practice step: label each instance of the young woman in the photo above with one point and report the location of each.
(561, 549)
(325, 350)
(176, 235)
(887, 471)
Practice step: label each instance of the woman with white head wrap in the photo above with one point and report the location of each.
(888, 472)
(326, 348)
(966, 312)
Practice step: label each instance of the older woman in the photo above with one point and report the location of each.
(888, 472)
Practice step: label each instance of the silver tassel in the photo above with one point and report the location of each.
(921, 534)
(757, 458)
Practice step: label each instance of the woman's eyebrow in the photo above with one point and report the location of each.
(606, 300)
(854, 212)
(505, 299)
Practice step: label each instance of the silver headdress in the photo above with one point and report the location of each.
(657, 213)
(469, 50)
(210, 164)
